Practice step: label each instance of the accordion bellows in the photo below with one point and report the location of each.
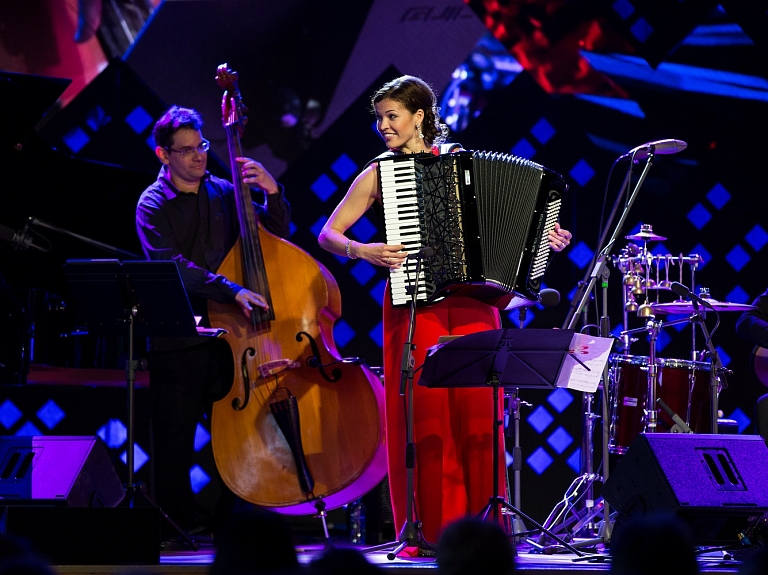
(485, 217)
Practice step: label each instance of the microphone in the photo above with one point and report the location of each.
(657, 147)
(685, 293)
(549, 297)
(19, 240)
(423, 253)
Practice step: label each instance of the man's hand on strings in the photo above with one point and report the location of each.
(246, 299)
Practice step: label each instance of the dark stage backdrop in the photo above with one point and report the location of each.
(571, 85)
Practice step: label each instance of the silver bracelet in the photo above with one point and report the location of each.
(349, 252)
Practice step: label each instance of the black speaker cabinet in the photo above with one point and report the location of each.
(70, 471)
(716, 483)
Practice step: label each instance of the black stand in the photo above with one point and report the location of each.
(134, 298)
(586, 286)
(579, 305)
(501, 358)
(716, 366)
(513, 408)
(410, 534)
(106, 247)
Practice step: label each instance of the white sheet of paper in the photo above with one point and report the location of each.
(593, 352)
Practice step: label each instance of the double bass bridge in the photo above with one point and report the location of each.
(264, 370)
(276, 366)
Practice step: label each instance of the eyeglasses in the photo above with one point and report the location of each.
(204, 146)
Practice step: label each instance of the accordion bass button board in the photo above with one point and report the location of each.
(486, 217)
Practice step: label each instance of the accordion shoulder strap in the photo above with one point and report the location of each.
(387, 154)
(449, 147)
(446, 148)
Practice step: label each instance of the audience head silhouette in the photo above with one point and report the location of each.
(639, 541)
(255, 541)
(19, 557)
(342, 561)
(756, 563)
(470, 545)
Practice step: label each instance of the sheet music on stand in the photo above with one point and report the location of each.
(530, 358)
(585, 351)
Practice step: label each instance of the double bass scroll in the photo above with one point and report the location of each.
(288, 435)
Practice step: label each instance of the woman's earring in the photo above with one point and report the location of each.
(418, 129)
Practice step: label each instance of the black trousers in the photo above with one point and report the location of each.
(184, 384)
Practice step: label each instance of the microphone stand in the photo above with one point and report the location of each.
(36, 222)
(588, 284)
(409, 534)
(582, 294)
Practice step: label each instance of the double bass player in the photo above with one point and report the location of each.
(189, 215)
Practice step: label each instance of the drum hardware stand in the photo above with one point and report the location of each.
(704, 292)
(716, 366)
(561, 521)
(112, 295)
(653, 328)
(587, 478)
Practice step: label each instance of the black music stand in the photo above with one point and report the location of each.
(530, 358)
(136, 298)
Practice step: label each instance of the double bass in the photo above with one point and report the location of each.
(300, 430)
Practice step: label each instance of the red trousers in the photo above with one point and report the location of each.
(453, 427)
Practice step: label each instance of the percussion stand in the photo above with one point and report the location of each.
(653, 327)
(587, 478)
(716, 366)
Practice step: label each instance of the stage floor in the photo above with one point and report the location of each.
(181, 562)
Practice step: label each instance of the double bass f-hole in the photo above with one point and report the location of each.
(313, 360)
(237, 403)
(265, 370)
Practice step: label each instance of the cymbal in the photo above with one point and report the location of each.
(686, 307)
(645, 235)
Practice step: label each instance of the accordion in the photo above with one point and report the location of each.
(482, 218)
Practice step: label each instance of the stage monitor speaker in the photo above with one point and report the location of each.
(68, 471)
(718, 484)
